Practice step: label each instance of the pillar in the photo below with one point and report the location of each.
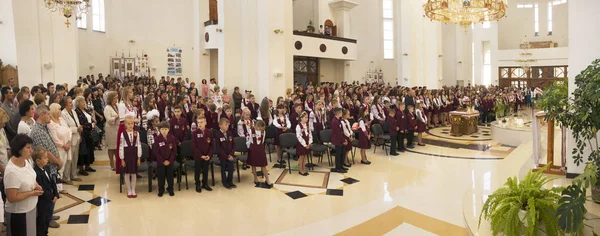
(341, 9)
(583, 49)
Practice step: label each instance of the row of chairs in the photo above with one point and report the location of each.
(288, 141)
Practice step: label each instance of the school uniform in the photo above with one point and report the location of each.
(226, 149)
(162, 108)
(392, 125)
(337, 139)
(319, 122)
(363, 135)
(178, 128)
(44, 204)
(304, 139)
(280, 123)
(201, 146)
(402, 122)
(294, 119)
(412, 126)
(421, 120)
(253, 107)
(165, 149)
(257, 156)
(243, 127)
(129, 151)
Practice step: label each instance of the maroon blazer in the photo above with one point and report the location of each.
(210, 121)
(226, 145)
(253, 107)
(162, 106)
(294, 120)
(412, 122)
(214, 117)
(392, 125)
(337, 134)
(202, 143)
(164, 149)
(179, 128)
(401, 121)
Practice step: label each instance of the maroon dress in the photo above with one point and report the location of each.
(363, 138)
(257, 156)
(421, 127)
(320, 119)
(282, 123)
(131, 153)
(304, 133)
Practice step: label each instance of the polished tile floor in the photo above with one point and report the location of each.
(417, 193)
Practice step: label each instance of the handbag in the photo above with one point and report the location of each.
(95, 134)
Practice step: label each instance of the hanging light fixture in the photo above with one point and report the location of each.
(465, 12)
(526, 59)
(68, 8)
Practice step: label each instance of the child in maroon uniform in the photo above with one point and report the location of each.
(393, 130)
(165, 149)
(130, 152)
(282, 125)
(304, 140)
(402, 122)
(202, 147)
(226, 150)
(179, 126)
(364, 135)
(421, 123)
(257, 157)
(412, 126)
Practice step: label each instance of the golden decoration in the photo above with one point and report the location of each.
(68, 7)
(465, 12)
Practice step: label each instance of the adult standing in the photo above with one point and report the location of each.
(125, 108)
(61, 135)
(3, 152)
(70, 118)
(26, 111)
(86, 148)
(98, 104)
(41, 137)
(22, 190)
(112, 126)
(237, 99)
(11, 110)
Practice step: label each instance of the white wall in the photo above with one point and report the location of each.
(43, 38)
(481, 35)
(520, 22)
(583, 50)
(8, 50)
(304, 12)
(154, 25)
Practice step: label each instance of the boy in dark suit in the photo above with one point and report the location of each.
(402, 123)
(50, 195)
(226, 150)
(338, 140)
(202, 147)
(412, 126)
(165, 149)
(393, 130)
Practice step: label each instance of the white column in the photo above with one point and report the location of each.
(8, 50)
(583, 49)
(263, 50)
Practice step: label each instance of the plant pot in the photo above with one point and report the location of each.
(596, 193)
(522, 218)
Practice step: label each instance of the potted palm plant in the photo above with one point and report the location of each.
(519, 208)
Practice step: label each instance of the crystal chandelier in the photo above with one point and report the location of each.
(526, 59)
(465, 12)
(68, 8)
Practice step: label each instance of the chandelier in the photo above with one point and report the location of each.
(68, 8)
(526, 59)
(465, 12)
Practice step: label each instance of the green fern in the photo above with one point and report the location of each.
(503, 206)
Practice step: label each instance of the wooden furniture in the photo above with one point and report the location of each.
(540, 44)
(7, 72)
(537, 76)
(463, 123)
(552, 169)
(213, 14)
(329, 28)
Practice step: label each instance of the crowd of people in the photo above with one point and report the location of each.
(54, 130)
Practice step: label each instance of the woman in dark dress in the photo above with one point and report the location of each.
(86, 147)
(257, 157)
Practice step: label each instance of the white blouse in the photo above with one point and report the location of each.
(22, 179)
(303, 128)
(24, 127)
(347, 128)
(125, 110)
(124, 144)
(281, 119)
(260, 138)
(60, 133)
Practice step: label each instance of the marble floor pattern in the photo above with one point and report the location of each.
(416, 193)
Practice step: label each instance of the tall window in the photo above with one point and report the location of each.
(388, 29)
(82, 20)
(529, 5)
(487, 63)
(536, 17)
(549, 18)
(473, 63)
(98, 15)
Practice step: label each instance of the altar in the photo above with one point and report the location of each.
(463, 122)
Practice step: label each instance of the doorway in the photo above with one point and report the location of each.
(306, 69)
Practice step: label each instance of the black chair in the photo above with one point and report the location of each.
(288, 143)
(143, 136)
(144, 167)
(355, 145)
(325, 137)
(386, 128)
(270, 139)
(318, 148)
(188, 158)
(377, 132)
(242, 148)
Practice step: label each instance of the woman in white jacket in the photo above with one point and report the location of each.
(70, 118)
(61, 135)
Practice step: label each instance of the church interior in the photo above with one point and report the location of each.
(299, 117)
